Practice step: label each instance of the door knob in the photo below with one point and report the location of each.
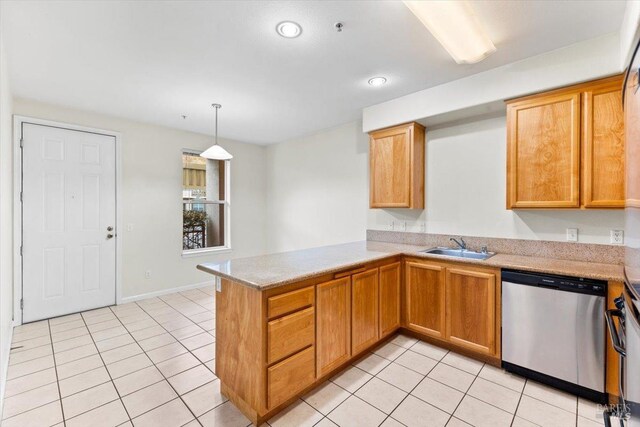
(109, 228)
(109, 236)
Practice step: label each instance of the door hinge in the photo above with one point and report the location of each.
(21, 249)
(21, 304)
(21, 195)
(21, 142)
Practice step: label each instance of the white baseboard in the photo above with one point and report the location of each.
(5, 365)
(125, 300)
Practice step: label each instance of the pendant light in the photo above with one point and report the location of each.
(216, 152)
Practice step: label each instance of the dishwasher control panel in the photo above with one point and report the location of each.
(561, 283)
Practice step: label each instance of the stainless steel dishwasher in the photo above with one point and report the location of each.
(553, 331)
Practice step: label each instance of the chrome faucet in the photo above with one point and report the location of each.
(461, 243)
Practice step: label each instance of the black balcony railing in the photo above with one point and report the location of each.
(194, 237)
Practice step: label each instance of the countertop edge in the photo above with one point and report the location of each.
(487, 263)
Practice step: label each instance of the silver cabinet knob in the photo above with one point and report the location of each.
(109, 228)
(109, 236)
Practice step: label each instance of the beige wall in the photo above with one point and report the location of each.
(318, 191)
(151, 197)
(6, 218)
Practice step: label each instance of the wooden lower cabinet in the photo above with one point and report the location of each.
(614, 290)
(425, 298)
(471, 309)
(276, 344)
(389, 298)
(364, 310)
(455, 303)
(333, 324)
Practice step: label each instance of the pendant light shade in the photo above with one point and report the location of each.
(216, 152)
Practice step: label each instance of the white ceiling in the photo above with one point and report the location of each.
(156, 60)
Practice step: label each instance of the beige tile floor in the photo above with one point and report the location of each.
(151, 363)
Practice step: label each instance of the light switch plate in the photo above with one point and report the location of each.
(572, 234)
(617, 237)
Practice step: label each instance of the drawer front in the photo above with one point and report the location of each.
(290, 376)
(291, 301)
(290, 334)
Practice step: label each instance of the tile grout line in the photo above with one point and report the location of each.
(167, 378)
(110, 377)
(55, 367)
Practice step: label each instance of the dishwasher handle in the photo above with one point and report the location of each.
(613, 331)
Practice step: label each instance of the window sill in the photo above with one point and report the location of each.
(207, 251)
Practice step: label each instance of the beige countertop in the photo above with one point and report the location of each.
(268, 271)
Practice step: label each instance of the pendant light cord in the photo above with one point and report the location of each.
(217, 107)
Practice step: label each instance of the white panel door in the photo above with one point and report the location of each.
(68, 221)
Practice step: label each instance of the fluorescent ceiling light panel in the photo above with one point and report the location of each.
(455, 25)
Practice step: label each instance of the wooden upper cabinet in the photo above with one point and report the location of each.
(565, 148)
(389, 298)
(603, 143)
(543, 152)
(333, 324)
(396, 157)
(471, 308)
(425, 298)
(364, 310)
(632, 137)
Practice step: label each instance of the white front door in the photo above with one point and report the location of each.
(68, 221)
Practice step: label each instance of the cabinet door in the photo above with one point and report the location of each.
(471, 309)
(543, 152)
(425, 298)
(389, 298)
(396, 160)
(364, 310)
(632, 141)
(333, 324)
(603, 173)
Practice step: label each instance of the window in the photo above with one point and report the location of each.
(205, 203)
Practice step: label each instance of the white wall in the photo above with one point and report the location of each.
(152, 197)
(6, 215)
(317, 189)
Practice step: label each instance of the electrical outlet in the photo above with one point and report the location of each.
(572, 234)
(391, 226)
(402, 226)
(129, 227)
(423, 227)
(617, 237)
(147, 274)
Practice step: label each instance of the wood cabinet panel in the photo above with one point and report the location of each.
(632, 139)
(543, 152)
(288, 377)
(364, 310)
(614, 290)
(603, 143)
(333, 324)
(471, 309)
(290, 334)
(389, 300)
(290, 301)
(425, 298)
(396, 160)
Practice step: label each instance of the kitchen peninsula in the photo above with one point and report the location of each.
(286, 322)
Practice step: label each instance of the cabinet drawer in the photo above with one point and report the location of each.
(291, 301)
(289, 334)
(287, 378)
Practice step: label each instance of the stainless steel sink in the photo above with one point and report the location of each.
(460, 253)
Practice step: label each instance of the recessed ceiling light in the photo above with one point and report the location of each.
(377, 81)
(289, 29)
